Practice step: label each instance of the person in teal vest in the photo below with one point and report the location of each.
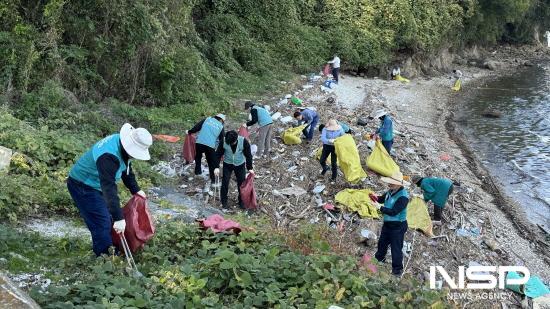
(92, 182)
(385, 132)
(395, 226)
(262, 117)
(436, 190)
(210, 135)
(237, 158)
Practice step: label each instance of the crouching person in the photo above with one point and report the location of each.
(395, 226)
(237, 158)
(92, 182)
(436, 190)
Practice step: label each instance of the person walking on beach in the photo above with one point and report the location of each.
(210, 136)
(335, 62)
(237, 158)
(92, 182)
(385, 131)
(330, 133)
(311, 118)
(262, 117)
(436, 190)
(395, 225)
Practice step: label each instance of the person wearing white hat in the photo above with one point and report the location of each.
(92, 182)
(395, 226)
(385, 132)
(329, 134)
(210, 135)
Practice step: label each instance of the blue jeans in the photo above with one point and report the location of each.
(93, 210)
(335, 74)
(309, 130)
(392, 235)
(387, 145)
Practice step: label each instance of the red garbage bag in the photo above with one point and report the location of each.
(139, 224)
(248, 194)
(189, 148)
(218, 224)
(326, 70)
(244, 132)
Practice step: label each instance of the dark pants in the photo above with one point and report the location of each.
(210, 155)
(310, 129)
(438, 210)
(387, 145)
(329, 150)
(240, 173)
(335, 73)
(392, 234)
(93, 210)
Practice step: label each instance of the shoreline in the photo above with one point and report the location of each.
(512, 208)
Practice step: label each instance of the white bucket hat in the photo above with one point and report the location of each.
(396, 179)
(221, 116)
(136, 142)
(379, 113)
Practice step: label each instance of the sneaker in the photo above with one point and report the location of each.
(255, 157)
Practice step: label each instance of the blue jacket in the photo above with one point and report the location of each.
(236, 158)
(85, 169)
(264, 118)
(329, 134)
(436, 190)
(386, 129)
(208, 135)
(309, 116)
(389, 203)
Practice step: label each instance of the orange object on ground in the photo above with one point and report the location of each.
(167, 138)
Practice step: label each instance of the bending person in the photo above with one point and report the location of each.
(92, 182)
(436, 190)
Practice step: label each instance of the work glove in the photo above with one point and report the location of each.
(142, 194)
(377, 206)
(244, 125)
(331, 141)
(187, 132)
(373, 197)
(119, 226)
(251, 172)
(217, 171)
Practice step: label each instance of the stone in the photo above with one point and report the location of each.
(13, 297)
(492, 65)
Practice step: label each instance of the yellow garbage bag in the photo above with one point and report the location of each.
(418, 216)
(291, 136)
(348, 156)
(457, 85)
(319, 152)
(402, 79)
(380, 161)
(357, 200)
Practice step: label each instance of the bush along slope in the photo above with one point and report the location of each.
(185, 267)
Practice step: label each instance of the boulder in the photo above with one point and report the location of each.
(492, 65)
(491, 114)
(13, 297)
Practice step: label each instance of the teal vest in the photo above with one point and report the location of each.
(236, 158)
(436, 190)
(386, 129)
(208, 135)
(264, 118)
(344, 126)
(85, 169)
(390, 201)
